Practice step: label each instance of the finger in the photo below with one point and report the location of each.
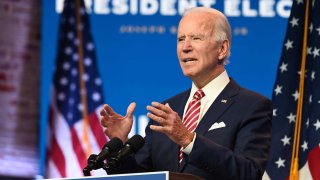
(110, 114)
(106, 120)
(131, 109)
(161, 106)
(109, 110)
(157, 128)
(167, 105)
(157, 112)
(156, 118)
(103, 112)
(107, 132)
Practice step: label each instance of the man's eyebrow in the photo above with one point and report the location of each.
(197, 34)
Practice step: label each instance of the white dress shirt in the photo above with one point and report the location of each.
(211, 91)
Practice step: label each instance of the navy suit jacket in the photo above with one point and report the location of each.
(237, 151)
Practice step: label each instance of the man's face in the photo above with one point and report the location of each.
(196, 48)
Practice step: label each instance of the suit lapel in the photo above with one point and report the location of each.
(218, 107)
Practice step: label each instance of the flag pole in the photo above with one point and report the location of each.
(294, 169)
(83, 90)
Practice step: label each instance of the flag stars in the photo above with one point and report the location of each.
(90, 46)
(63, 81)
(278, 90)
(74, 72)
(68, 50)
(96, 96)
(296, 95)
(70, 35)
(280, 162)
(318, 29)
(291, 117)
(294, 22)
(82, 11)
(75, 57)
(274, 112)
(283, 67)
(316, 52)
(304, 146)
(313, 75)
(299, 1)
(71, 101)
(87, 61)
(317, 125)
(66, 66)
(80, 107)
(61, 96)
(309, 50)
(311, 27)
(98, 81)
(76, 42)
(69, 116)
(288, 44)
(85, 77)
(286, 140)
(72, 87)
(310, 99)
(305, 73)
(308, 123)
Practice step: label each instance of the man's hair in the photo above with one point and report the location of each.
(220, 25)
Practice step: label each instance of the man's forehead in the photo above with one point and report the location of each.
(195, 27)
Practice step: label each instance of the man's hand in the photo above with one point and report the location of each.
(115, 124)
(170, 124)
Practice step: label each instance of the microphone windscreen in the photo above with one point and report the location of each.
(136, 142)
(115, 144)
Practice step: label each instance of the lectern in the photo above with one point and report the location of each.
(162, 175)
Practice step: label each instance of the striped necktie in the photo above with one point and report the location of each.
(191, 117)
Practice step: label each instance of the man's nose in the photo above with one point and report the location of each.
(187, 46)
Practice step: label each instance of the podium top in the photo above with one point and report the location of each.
(161, 175)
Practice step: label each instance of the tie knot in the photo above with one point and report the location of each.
(198, 95)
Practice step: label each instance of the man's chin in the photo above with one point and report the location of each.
(189, 75)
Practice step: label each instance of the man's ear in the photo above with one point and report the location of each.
(224, 49)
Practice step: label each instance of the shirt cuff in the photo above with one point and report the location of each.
(188, 149)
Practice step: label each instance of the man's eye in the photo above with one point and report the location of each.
(196, 38)
(180, 39)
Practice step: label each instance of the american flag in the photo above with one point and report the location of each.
(74, 128)
(286, 96)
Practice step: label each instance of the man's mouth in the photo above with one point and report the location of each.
(188, 60)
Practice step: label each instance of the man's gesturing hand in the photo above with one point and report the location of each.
(169, 123)
(115, 124)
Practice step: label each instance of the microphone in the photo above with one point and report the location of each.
(114, 145)
(130, 147)
(96, 161)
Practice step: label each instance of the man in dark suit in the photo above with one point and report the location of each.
(216, 129)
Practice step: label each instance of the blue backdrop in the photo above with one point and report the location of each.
(135, 43)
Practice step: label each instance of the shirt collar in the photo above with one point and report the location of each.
(214, 87)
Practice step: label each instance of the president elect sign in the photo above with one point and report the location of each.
(135, 42)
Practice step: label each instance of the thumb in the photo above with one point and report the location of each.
(131, 109)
